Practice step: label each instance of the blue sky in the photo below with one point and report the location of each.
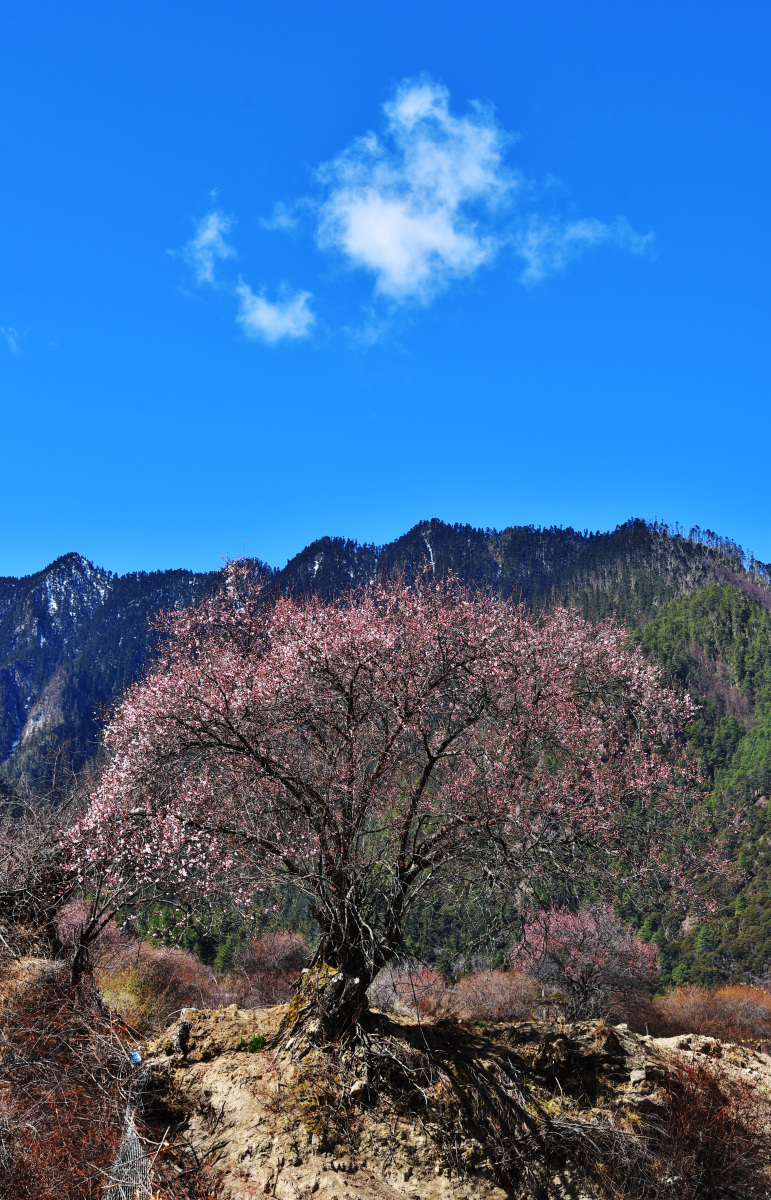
(274, 272)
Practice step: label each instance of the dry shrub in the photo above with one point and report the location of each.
(170, 980)
(716, 1138)
(268, 968)
(735, 1013)
(65, 1067)
(409, 990)
(494, 996)
(178, 1174)
(638, 1010)
(192, 1186)
(425, 992)
(149, 985)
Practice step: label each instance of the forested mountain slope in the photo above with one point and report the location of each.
(73, 635)
(633, 570)
(716, 642)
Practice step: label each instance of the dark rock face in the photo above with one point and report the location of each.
(73, 636)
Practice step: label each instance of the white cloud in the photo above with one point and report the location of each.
(12, 338)
(414, 208)
(208, 245)
(289, 317)
(283, 219)
(260, 319)
(427, 202)
(549, 245)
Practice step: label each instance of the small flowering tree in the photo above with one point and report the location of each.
(590, 956)
(362, 750)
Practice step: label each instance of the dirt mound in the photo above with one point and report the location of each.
(263, 1121)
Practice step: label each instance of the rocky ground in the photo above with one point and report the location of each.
(592, 1102)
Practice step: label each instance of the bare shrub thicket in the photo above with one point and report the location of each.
(65, 1069)
(735, 1013)
(494, 996)
(409, 990)
(34, 881)
(484, 995)
(715, 1140)
(149, 984)
(268, 968)
(638, 1010)
(709, 1142)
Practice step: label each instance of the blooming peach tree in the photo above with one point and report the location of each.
(590, 956)
(363, 750)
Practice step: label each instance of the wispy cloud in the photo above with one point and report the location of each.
(413, 207)
(12, 338)
(289, 317)
(208, 246)
(283, 219)
(547, 246)
(272, 321)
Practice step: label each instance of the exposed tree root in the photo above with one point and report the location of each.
(527, 1111)
(482, 1104)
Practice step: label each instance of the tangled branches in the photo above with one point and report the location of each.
(65, 1071)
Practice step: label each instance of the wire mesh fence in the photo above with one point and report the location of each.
(131, 1172)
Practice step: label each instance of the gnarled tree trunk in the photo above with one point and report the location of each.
(328, 1007)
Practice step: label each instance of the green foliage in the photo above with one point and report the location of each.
(215, 936)
(716, 642)
(254, 1045)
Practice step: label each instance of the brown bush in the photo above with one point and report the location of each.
(494, 996)
(735, 1013)
(715, 1141)
(409, 989)
(34, 881)
(149, 985)
(638, 1010)
(268, 968)
(65, 1069)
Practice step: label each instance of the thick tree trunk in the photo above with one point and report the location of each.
(328, 1007)
(331, 999)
